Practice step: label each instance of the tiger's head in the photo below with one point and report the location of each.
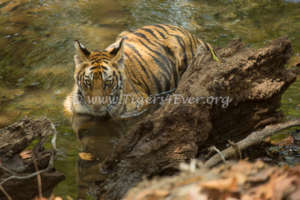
(98, 76)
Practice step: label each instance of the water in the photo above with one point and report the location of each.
(36, 40)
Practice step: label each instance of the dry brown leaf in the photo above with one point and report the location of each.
(284, 186)
(26, 154)
(261, 176)
(86, 156)
(262, 192)
(279, 185)
(152, 194)
(228, 184)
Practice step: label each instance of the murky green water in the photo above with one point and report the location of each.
(36, 56)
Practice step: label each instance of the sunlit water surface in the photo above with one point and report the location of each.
(36, 65)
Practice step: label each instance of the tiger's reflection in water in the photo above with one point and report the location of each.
(97, 138)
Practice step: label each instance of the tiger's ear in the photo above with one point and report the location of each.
(82, 53)
(117, 51)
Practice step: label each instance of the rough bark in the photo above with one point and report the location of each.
(253, 79)
(15, 170)
(16, 137)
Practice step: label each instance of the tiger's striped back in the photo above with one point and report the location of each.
(157, 55)
(146, 62)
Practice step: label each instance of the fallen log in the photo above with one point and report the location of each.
(238, 95)
(19, 169)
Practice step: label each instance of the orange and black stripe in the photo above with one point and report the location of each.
(153, 60)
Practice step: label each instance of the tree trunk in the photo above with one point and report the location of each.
(253, 80)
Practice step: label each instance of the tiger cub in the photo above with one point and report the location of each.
(140, 64)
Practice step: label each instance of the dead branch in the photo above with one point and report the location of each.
(214, 148)
(5, 193)
(39, 179)
(254, 138)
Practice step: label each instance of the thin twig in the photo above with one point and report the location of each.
(39, 180)
(219, 153)
(254, 138)
(7, 170)
(53, 140)
(237, 149)
(5, 193)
